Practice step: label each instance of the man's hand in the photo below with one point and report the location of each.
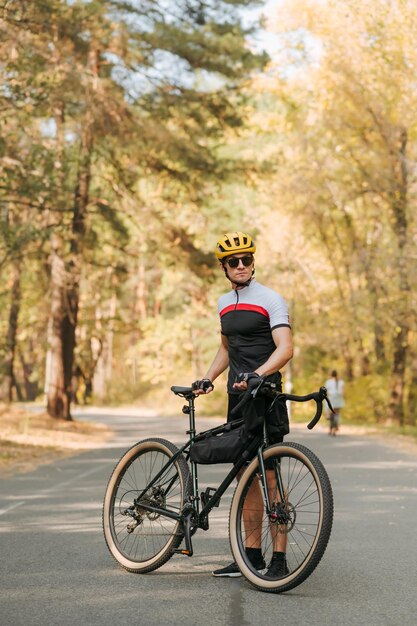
(241, 383)
(202, 386)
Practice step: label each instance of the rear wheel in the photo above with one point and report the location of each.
(299, 524)
(139, 539)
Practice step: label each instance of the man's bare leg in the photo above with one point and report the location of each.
(253, 512)
(278, 531)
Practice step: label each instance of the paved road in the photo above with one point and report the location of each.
(55, 567)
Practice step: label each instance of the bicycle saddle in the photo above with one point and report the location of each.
(181, 391)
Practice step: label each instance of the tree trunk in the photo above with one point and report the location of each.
(57, 399)
(112, 307)
(401, 338)
(31, 387)
(346, 297)
(65, 296)
(140, 303)
(6, 391)
(378, 326)
(72, 291)
(99, 373)
(68, 292)
(412, 395)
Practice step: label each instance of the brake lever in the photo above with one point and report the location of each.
(254, 391)
(322, 395)
(249, 392)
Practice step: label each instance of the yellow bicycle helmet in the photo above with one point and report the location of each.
(234, 243)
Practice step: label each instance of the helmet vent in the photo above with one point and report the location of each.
(234, 243)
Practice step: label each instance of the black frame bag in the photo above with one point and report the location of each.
(220, 445)
(226, 443)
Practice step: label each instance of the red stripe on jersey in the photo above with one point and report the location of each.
(244, 307)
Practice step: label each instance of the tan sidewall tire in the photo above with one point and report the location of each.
(258, 582)
(166, 552)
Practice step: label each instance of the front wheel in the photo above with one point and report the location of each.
(139, 539)
(298, 525)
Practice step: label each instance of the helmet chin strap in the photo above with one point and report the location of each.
(244, 283)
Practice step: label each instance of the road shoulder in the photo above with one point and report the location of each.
(29, 439)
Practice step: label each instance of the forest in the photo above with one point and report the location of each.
(134, 133)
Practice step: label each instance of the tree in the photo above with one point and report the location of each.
(118, 93)
(349, 87)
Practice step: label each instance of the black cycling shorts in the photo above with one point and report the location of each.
(275, 429)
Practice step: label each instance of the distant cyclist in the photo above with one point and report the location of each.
(335, 390)
(255, 341)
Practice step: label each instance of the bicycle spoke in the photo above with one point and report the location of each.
(295, 524)
(142, 535)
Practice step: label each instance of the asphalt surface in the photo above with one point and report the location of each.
(55, 567)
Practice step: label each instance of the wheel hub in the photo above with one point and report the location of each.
(155, 498)
(283, 516)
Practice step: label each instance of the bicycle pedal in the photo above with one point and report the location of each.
(206, 495)
(184, 552)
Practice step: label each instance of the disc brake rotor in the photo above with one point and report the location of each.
(283, 517)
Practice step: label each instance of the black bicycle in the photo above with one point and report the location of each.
(282, 502)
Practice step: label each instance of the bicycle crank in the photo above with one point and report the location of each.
(189, 521)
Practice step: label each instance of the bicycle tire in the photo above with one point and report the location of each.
(309, 517)
(139, 540)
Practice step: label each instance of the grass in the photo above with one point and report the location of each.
(28, 439)
(20, 457)
(406, 431)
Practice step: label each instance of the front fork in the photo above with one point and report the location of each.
(264, 483)
(272, 514)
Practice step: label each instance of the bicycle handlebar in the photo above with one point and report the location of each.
(255, 385)
(318, 397)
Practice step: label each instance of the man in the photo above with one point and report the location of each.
(255, 341)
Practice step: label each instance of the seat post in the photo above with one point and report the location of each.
(194, 472)
(191, 415)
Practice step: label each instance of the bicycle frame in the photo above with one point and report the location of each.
(210, 501)
(283, 499)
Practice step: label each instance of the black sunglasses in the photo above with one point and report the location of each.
(234, 261)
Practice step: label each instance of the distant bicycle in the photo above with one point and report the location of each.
(152, 503)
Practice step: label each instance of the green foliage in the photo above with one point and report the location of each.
(151, 102)
(344, 142)
(114, 119)
(367, 399)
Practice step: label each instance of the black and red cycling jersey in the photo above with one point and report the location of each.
(248, 316)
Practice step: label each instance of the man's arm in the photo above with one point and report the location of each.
(281, 355)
